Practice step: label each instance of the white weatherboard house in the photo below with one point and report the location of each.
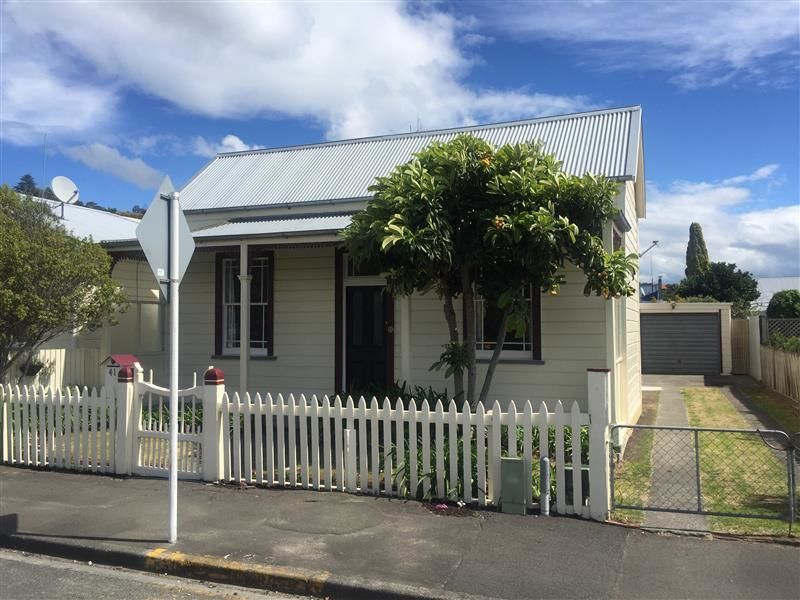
(270, 297)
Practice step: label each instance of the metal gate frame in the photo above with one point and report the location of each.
(790, 465)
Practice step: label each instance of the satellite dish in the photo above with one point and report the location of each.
(64, 189)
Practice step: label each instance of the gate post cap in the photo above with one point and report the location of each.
(125, 375)
(214, 376)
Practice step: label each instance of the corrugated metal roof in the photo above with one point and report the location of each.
(602, 142)
(268, 227)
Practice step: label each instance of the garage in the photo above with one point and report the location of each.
(684, 341)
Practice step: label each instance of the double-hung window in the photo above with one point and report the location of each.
(229, 305)
(487, 322)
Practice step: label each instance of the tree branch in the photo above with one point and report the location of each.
(469, 332)
(452, 326)
(498, 350)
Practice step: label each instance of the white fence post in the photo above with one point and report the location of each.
(212, 448)
(754, 330)
(350, 462)
(126, 426)
(5, 400)
(599, 384)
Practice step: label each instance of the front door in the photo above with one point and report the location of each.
(368, 339)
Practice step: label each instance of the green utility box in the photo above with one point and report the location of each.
(512, 486)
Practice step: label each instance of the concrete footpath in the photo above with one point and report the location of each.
(672, 481)
(344, 546)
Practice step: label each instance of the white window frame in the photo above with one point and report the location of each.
(526, 353)
(232, 263)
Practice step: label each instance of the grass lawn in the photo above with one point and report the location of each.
(632, 474)
(739, 473)
(781, 409)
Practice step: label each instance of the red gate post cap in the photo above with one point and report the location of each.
(214, 376)
(125, 375)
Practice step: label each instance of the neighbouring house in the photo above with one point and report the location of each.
(650, 291)
(271, 298)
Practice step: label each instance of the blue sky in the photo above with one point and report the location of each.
(129, 92)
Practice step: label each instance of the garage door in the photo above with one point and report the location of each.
(686, 344)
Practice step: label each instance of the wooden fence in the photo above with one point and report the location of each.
(740, 347)
(780, 371)
(401, 450)
(64, 367)
(388, 448)
(70, 429)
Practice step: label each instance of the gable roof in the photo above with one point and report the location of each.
(606, 142)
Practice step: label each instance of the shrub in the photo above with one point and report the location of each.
(401, 391)
(787, 344)
(784, 305)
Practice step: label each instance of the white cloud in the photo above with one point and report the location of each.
(764, 172)
(155, 145)
(34, 101)
(700, 44)
(356, 68)
(109, 160)
(230, 143)
(765, 241)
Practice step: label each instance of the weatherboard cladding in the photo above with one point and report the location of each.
(600, 142)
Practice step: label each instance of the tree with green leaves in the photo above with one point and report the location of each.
(27, 185)
(784, 305)
(696, 252)
(50, 282)
(463, 219)
(722, 282)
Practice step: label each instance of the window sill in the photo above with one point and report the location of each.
(511, 361)
(236, 357)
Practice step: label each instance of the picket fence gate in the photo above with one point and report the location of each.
(383, 448)
(151, 431)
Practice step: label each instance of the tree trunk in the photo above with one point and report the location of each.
(498, 349)
(452, 326)
(469, 333)
(5, 363)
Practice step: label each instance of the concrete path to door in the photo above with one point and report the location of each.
(673, 481)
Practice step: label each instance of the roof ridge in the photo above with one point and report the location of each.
(428, 132)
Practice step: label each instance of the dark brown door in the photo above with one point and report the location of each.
(368, 339)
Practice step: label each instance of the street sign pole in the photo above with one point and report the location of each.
(168, 245)
(174, 282)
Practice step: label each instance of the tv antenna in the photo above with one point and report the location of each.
(641, 254)
(65, 190)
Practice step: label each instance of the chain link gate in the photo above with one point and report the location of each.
(706, 471)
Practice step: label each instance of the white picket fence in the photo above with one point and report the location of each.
(64, 429)
(396, 450)
(381, 448)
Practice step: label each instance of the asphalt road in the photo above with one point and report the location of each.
(28, 577)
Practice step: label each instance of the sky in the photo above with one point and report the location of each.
(127, 92)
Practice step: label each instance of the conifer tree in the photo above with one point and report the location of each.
(696, 252)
